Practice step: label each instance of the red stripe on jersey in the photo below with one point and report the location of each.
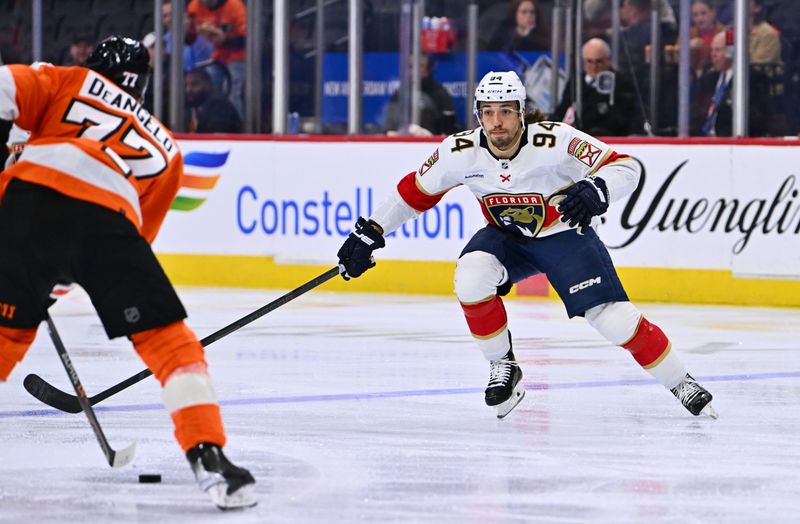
(485, 318)
(613, 157)
(414, 196)
(647, 344)
(551, 216)
(486, 214)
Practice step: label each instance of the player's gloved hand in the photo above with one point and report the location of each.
(356, 252)
(581, 201)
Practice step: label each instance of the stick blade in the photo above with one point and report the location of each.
(123, 457)
(53, 397)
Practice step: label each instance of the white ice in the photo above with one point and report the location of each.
(369, 408)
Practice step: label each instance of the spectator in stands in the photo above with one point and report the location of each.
(704, 25)
(197, 50)
(636, 31)
(716, 89)
(79, 50)
(608, 99)
(207, 111)
(765, 42)
(437, 113)
(785, 16)
(597, 16)
(699, 57)
(520, 31)
(224, 24)
(635, 34)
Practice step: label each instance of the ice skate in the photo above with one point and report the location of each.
(694, 397)
(505, 389)
(229, 486)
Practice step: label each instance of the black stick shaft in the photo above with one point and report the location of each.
(275, 304)
(227, 330)
(111, 455)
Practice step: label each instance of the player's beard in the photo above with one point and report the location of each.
(503, 142)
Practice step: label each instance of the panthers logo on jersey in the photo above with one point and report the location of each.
(524, 214)
(584, 151)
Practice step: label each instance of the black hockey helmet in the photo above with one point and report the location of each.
(124, 61)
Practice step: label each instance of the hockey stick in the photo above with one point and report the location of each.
(54, 397)
(116, 459)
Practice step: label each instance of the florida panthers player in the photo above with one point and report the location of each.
(540, 184)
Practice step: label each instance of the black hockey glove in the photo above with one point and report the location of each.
(505, 288)
(582, 201)
(356, 252)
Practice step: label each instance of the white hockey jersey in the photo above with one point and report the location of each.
(513, 193)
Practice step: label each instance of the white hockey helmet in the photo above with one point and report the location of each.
(502, 86)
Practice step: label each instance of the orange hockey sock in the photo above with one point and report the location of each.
(176, 358)
(167, 348)
(14, 343)
(197, 424)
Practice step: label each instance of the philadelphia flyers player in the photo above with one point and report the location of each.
(82, 204)
(540, 185)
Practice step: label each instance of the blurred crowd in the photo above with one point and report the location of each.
(773, 71)
(614, 99)
(213, 63)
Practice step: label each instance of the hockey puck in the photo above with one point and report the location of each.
(149, 478)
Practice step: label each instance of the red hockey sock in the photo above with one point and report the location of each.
(487, 318)
(648, 345)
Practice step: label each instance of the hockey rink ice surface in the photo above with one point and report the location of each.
(369, 408)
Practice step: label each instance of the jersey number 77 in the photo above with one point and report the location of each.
(104, 126)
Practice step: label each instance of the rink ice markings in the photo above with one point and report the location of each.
(294, 399)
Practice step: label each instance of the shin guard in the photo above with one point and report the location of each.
(176, 358)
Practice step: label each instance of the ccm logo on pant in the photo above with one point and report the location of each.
(584, 285)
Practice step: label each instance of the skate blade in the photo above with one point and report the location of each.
(516, 397)
(710, 411)
(242, 498)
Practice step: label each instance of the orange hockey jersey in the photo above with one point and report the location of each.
(92, 141)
